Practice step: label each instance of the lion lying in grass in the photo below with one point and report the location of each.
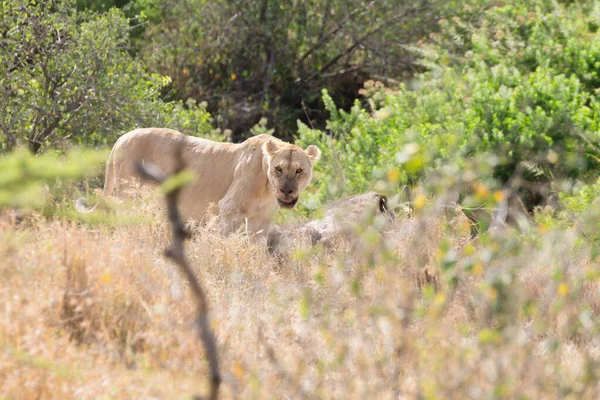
(248, 181)
(341, 219)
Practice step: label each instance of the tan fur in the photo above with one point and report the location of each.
(246, 180)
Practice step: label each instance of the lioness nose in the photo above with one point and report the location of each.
(286, 191)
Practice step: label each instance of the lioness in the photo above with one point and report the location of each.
(249, 180)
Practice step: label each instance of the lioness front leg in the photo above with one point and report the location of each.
(230, 217)
(258, 229)
(230, 222)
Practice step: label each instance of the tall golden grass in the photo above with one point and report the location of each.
(414, 310)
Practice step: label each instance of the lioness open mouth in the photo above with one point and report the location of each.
(286, 204)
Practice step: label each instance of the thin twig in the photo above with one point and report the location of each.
(307, 116)
(176, 253)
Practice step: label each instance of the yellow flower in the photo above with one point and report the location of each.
(393, 175)
(563, 289)
(106, 277)
(498, 196)
(440, 299)
(238, 370)
(419, 201)
(481, 191)
(469, 249)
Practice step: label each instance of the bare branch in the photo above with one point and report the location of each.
(37, 139)
(357, 42)
(323, 38)
(176, 253)
(344, 71)
(323, 20)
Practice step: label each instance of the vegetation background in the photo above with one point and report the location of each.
(493, 105)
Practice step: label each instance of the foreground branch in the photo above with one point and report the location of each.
(176, 253)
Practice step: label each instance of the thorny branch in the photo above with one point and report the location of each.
(176, 253)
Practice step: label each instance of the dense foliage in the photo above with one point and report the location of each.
(253, 59)
(518, 88)
(66, 77)
(506, 89)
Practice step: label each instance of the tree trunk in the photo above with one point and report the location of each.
(34, 146)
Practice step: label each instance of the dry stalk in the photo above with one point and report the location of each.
(177, 254)
(299, 391)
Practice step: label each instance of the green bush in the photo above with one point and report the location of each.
(579, 210)
(67, 77)
(253, 59)
(27, 181)
(528, 35)
(535, 121)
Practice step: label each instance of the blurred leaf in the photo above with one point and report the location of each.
(177, 181)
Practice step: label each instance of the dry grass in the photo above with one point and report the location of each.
(96, 312)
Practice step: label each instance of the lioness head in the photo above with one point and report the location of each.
(290, 170)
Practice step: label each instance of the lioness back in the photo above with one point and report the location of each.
(148, 145)
(212, 162)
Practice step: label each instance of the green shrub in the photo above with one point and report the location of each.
(67, 77)
(579, 210)
(533, 121)
(253, 59)
(27, 181)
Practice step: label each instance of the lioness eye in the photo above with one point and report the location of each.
(278, 169)
(299, 171)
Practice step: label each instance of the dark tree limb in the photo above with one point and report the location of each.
(177, 254)
(37, 139)
(358, 42)
(323, 38)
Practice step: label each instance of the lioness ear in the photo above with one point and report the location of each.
(313, 153)
(269, 148)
